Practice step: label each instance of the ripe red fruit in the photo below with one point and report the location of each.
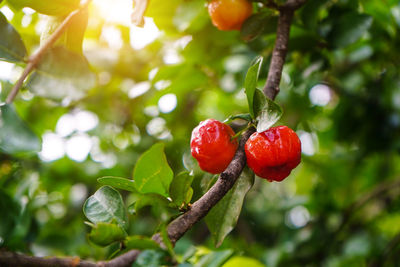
(273, 154)
(212, 145)
(229, 14)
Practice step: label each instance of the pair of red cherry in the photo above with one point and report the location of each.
(271, 154)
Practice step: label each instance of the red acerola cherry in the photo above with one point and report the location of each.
(212, 145)
(273, 154)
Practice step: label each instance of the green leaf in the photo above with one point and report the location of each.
(254, 26)
(48, 7)
(348, 29)
(309, 13)
(103, 234)
(160, 206)
(250, 83)
(180, 190)
(15, 136)
(150, 258)
(166, 241)
(245, 116)
(118, 182)
(140, 242)
(270, 112)
(239, 261)
(214, 259)
(12, 48)
(106, 205)
(8, 223)
(223, 217)
(62, 74)
(152, 173)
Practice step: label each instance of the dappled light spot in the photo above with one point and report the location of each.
(157, 128)
(78, 194)
(151, 111)
(308, 143)
(52, 147)
(320, 95)
(228, 82)
(297, 217)
(116, 11)
(78, 147)
(5, 70)
(80, 121)
(7, 12)
(167, 103)
(141, 37)
(112, 36)
(162, 84)
(139, 89)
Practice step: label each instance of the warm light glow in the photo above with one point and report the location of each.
(116, 11)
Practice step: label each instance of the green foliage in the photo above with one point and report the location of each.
(12, 47)
(250, 84)
(339, 92)
(269, 113)
(106, 205)
(180, 191)
(223, 217)
(15, 136)
(140, 242)
(242, 261)
(48, 7)
(348, 29)
(61, 74)
(118, 182)
(152, 173)
(103, 234)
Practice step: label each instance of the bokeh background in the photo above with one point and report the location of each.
(340, 92)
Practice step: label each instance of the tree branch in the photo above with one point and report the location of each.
(286, 11)
(35, 58)
(178, 227)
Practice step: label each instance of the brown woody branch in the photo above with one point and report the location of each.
(35, 58)
(177, 228)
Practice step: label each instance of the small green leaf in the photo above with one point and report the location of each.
(245, 116)
(152, 173)
(239, 261)
(12, 48)
(140, 242)
(62, 74)
(348, 29)
(250, 83)
(48, 7)
(270, 112)
(223, 217)
(180, 190)
(15, 136)
(103, 234)
(106, 205)
(118, 182)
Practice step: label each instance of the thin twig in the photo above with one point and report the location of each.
(35, 58)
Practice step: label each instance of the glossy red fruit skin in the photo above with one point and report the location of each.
(229, 15)
(273, 154)
(212, 145)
